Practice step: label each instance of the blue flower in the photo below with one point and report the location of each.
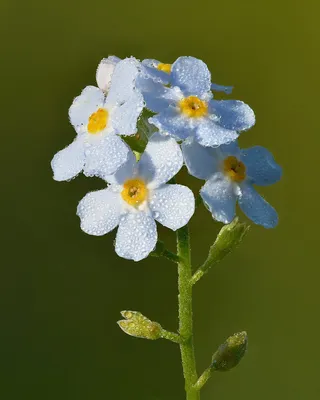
(187, 108)
(230, 174)
(161, 72)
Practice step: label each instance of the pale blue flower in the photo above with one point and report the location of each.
(137, 197)
(230, 174)
(99, 115)
(187, 108)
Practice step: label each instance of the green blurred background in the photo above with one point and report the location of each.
(61, 290)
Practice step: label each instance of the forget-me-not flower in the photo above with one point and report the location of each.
(137, 196)
(98, 119)
(230, 174)
(187, 108)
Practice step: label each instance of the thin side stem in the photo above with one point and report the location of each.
(170, 256)
(185, 314)
(203, 379)
(173, 337)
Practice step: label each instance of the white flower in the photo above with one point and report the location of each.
(137, 196)
(98, 120)
(105, 71)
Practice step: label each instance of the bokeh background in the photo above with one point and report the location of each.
(61, 290)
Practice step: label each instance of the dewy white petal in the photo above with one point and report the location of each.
(161, 160)
(172, 205)
(90, 99)
(136, 236)
(99, 212)
(191, 76)
(68, 163)
(219, 195)
(105, 155)
(201, 161)
(105, 71)
(123, 82)
(124, 118)
(126, 171)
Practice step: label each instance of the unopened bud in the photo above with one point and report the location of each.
(136, 324)
(230, 352)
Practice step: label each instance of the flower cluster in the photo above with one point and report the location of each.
(191, 128)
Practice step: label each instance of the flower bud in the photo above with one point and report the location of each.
(136, 324)
(230, 352)
(105, 71)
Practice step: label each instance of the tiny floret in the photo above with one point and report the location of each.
(230, 174)
(187, 109)
(99, 116)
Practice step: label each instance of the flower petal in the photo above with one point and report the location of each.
(256, 208)
(68, 163)
(99, 212)
(90, 99)
(221, 88)
(149, 70)
(126, 171)
(124, 118)
(201, 161)
(105, 71)
(233, 114)
(161, 160)
(191, 76)
(123, 82)
(219, 196)
(209, 133)
(172, 205)
(105, 155)
(156, 96)
(261, 166)
(173, 122)
(136, 236)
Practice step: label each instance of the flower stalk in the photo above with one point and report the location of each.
(185, 313)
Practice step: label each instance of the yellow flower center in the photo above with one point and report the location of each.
(164, 67)
(134, 192)
(234, 168)
(98, 121)
(193, 107)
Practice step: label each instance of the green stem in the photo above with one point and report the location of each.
(173, 337)
(170, 256)
(185, 314)
(203, 378)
